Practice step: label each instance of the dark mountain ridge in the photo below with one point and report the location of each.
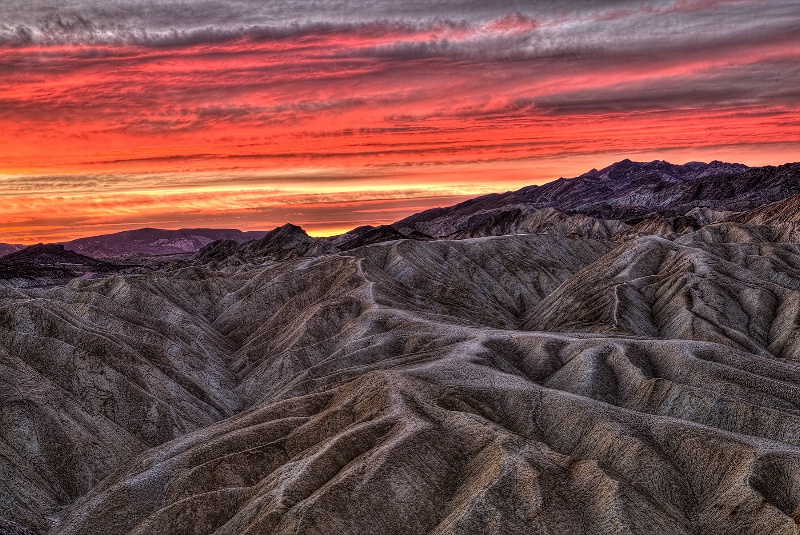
(51, 254)
(626, 191)
(291, 241)
(152, 241)
(51, 264)
(624, 199)
(626, 196)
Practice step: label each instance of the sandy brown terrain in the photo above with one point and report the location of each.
(639, 383)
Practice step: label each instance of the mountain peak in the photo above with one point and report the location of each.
(287, 232)
(290, 228)
(280, 239)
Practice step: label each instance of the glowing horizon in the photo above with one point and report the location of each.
(113, 117)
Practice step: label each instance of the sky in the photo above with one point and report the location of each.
(330, 114)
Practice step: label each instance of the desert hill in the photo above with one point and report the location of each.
(594, 377)
(152, 241)
(51, 264)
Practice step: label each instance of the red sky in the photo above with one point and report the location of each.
(110, 120)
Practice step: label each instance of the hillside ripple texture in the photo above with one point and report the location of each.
(527, 383)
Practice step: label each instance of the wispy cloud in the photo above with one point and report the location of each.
(96, 93)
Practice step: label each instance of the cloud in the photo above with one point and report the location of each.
(125, 97)
(249, 208)
(768, 84)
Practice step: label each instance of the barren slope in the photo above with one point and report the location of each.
(410, 387)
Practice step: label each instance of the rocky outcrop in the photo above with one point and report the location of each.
(217, 250)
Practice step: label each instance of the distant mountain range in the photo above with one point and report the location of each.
(625, 198)
(147, 241)
(152, 241)
(627, 192)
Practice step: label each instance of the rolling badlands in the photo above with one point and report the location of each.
(521, 363)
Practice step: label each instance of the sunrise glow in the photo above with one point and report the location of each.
(109, 125)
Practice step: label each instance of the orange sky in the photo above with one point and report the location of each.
(332, 127)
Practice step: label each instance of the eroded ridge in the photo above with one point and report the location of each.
(499, 384)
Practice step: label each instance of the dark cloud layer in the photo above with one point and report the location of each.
(194, 21)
